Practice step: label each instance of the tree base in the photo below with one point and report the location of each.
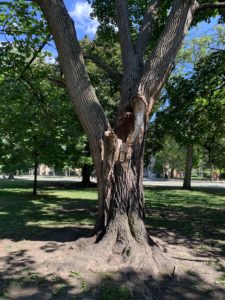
(114, 254)
(145, 258)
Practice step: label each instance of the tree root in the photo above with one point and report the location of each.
(118, 251)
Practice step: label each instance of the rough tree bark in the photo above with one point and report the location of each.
(118, 152)
(188, 168)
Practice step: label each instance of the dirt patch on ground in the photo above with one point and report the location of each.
(49, 269)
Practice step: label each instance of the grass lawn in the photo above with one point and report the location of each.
(24, 216)
(192, 215)
(194, 219)
(198, 213)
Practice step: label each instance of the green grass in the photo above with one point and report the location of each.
(23, 215)
(188, 214)
(220, 280)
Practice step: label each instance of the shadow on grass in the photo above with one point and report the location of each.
(49, 216)
(20, 280)
(193, 218)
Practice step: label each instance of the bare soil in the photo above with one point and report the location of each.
(50, 268)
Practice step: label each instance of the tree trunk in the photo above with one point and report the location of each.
(188, 168)
(35, 174)
(211, 172)
(121, 229)
(86, 173)
(11, 176)
(172, 173)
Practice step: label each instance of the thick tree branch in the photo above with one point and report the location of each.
(127, 48)
(82, 93)
(58, 82)
(161, 60)
(112, 74)
(210, 6)
(147, 27)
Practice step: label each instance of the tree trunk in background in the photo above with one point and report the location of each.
(86, 174)
(11, 176)
(211, 172)
(188, 168)
(35, 174)
(172, 173)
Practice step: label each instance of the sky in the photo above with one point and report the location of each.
(80, 11)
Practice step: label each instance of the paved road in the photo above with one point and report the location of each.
(147, 182)
(179, 183)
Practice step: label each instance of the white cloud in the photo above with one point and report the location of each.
(50, 60)
(81, 14)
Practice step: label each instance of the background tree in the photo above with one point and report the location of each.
(195, 107)
(171, 156)
(31, 124)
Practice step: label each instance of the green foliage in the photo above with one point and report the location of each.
(37, 116)
(37, 120)
(196, 104)
(25, 30)
(214, 153)
(192, 106)
(171, 155)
